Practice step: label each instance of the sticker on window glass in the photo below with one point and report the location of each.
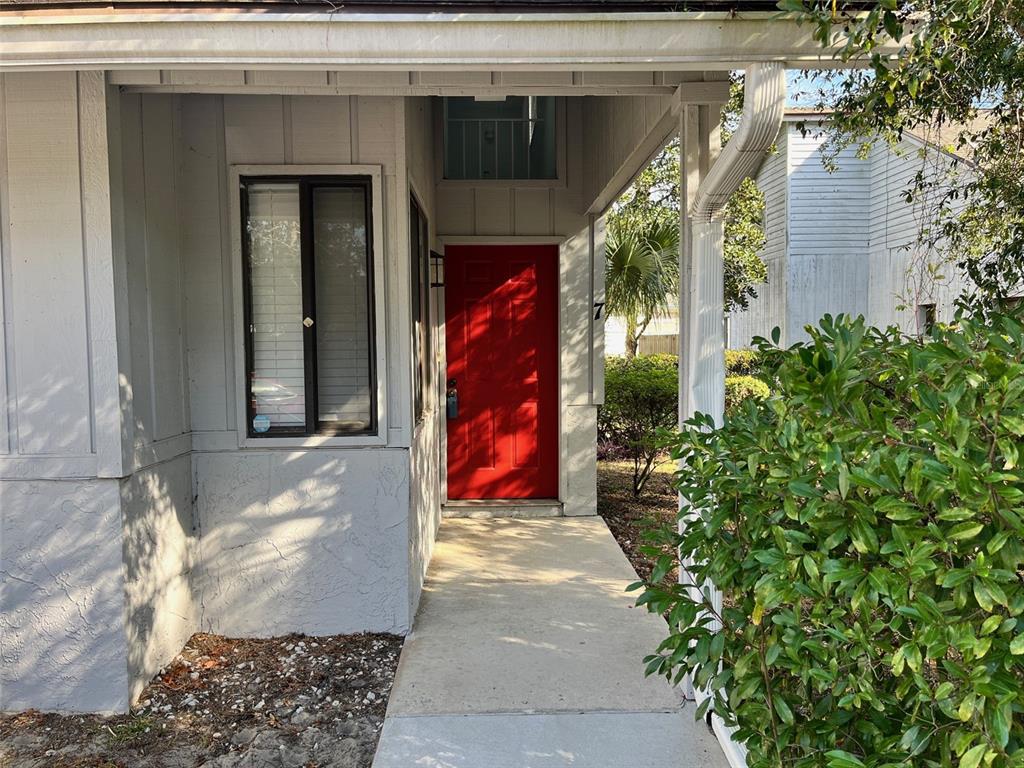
(260, 423)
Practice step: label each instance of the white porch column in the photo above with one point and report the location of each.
(707, 182)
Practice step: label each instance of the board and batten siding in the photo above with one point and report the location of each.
(158, 370)
(59, 382)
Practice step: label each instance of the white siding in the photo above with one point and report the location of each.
(768, 310)
(614, 126)
(905, 273)
(828, 240)
(845, 241)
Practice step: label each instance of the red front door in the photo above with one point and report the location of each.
(501, 307)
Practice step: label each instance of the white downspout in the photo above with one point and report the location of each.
(701, 275)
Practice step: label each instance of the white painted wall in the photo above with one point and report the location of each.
(64, 645)
(119, 338)
(161, 556)
(768, 310)
(843, 241)
(827, 270)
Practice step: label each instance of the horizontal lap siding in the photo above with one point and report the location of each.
(828, 234)
(902, 265)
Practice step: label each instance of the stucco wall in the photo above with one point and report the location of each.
(304, 541)
(62, 627)
(160, 542)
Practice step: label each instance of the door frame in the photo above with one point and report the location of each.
(443, 242)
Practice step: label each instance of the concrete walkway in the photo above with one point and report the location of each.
(526, 653)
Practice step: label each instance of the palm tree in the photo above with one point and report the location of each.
(641, 273)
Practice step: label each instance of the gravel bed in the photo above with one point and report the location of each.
(286, 702)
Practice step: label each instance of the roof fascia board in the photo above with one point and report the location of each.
(411, 41)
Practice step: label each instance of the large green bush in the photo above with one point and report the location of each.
(739, 388)
(640, 398)
(865, 525)
(742, 362)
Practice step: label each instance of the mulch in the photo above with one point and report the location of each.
(628, 517)
(221, 696)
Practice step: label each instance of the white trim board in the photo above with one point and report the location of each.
(697, 41)
(379, 255)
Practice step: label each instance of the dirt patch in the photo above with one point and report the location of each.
(628, 517)
(286, 702)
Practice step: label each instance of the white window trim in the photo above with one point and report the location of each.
(236, 172)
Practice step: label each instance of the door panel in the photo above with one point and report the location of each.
(502, 347)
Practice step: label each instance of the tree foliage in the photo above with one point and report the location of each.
(653, 201)
(958, 76)
(866, 526)
(641, 273)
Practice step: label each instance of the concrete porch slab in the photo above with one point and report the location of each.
(529, 615)
(605, 740)
(527, 653)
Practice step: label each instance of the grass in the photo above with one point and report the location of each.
(130, 730)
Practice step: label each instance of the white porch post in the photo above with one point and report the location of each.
(706, 184)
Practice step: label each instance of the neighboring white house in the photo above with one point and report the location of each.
(840, 240)
(277, 286)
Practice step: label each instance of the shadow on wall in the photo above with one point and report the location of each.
(303, 541)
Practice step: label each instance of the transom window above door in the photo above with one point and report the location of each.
(307, 267)
(512, 138)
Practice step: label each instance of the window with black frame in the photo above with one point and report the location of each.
(419, 261)
(308, 269)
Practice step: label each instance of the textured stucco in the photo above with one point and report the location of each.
(303, 541)
(62, 623)
(160, 553)
(425, 503)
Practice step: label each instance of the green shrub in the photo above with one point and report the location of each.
(742, 362)
(865, 526)
(739, 388)
(640, 398)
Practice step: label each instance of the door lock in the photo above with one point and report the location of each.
(452, 400)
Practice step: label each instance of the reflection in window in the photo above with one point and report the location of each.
(278, 376)
(308, 306)
(514, 138)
